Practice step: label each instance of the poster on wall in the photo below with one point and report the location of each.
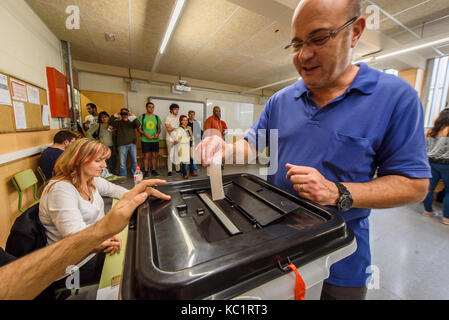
(19, 115)
(45, 115)
(33, 95)
(18, 90)
(5, 98)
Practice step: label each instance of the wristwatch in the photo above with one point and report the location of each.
(345, 201)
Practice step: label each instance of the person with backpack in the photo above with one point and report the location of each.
(103, 132)
(149, 137)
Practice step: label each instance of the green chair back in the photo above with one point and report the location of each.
(22, 181)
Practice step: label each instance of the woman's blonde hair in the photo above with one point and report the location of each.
(78, 153)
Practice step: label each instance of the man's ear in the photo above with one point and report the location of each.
(357, 30)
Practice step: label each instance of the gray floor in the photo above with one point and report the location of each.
(410, 251)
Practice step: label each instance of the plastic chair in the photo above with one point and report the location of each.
(162, 145)
(42, 175)
(22, 181)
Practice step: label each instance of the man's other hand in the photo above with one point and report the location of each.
(310, 184)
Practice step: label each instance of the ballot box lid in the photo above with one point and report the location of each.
(192, 247)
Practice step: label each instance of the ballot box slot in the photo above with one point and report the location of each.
(275, 201)
(195, 190)
(219, 214)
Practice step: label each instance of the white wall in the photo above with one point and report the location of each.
(136, 101)
(27, 45)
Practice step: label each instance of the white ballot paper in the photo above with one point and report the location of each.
(216, 179)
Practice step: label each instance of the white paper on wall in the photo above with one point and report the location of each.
(5, 98)
(19, 115)
(45, 116)
(19, 91)
(33, 95)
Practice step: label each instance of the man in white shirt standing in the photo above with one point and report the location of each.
(171, 124)
(92, 118)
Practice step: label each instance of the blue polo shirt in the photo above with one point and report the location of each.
(376, 125)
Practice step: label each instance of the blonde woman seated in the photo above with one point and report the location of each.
(72, 200)
(184, 136)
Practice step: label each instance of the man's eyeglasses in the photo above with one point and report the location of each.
(318, 39)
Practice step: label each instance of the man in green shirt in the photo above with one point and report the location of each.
(149, 137)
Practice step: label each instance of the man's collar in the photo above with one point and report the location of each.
(365, 81)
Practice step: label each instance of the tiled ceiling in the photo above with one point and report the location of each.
(215, 40)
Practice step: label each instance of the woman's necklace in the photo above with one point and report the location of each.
(87, 194)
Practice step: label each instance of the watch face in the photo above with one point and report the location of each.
(345, 203)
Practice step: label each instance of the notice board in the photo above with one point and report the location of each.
(22, 106)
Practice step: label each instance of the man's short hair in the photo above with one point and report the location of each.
(62, 136)
(354, 8)
(92, 105)
(191, 111)
(146, 106)
(124, 109)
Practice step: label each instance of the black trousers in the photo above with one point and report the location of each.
(331, 292)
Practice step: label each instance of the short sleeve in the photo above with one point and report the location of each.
(259, 129)
(403, 149)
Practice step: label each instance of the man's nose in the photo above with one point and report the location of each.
(305, 53)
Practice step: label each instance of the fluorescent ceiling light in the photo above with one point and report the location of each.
(413, 48)
(171, 26)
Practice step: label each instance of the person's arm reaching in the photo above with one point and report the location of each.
(237, 152)
(91, 131)
(113, 120)
(26, 277)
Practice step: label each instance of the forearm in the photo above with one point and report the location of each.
(27, 277)
(387, 192)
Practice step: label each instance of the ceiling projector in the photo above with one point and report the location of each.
(181, 87)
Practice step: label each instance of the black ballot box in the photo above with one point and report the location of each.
(192, 247)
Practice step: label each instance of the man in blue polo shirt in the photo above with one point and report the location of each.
(337, 127)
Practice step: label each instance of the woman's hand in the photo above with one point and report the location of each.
(111, 246)
(118, 217)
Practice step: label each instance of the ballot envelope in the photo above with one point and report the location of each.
(195, 248)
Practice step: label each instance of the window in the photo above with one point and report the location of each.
(239, 116)
(438, 90)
